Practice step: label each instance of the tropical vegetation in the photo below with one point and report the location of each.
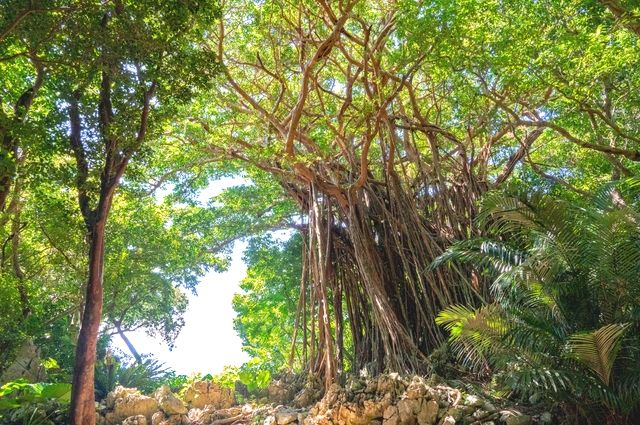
(413, 179)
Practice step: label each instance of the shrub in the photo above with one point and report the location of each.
(565, 319)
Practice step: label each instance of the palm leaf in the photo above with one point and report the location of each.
(598, 349)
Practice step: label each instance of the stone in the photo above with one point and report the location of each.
(390, 383)
(285, 417)
(407, 409)
(158, 418)
(348, 413)
(428, 413)
(207, 393)
(122, 403)
(168, 402)
(135, 420)
(199, 416)
(391, 416)
(417, 388)
(374, 409)
(27, 365)
(518, 420)
(118, 393)
(448, 420)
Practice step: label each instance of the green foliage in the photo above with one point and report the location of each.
(33, 403)
(146, 376)
(565, 321)
(254, 375)
(267, 306)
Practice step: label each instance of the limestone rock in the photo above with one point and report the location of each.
(135, 420)
(428, 413)
(168, 402)
(375, 408)
(119, 393)
(122, 403)
(199, 416)
(391, 416)
(407, 409)
(26, 365)
(158, 418)
(349, 413)
(285, 417)
(203, 393)
(417, 388)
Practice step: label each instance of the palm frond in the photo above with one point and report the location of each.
(598, 349)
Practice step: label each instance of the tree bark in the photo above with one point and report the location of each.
(83, 410)
(130, 346)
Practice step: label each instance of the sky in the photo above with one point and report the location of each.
(207, 341)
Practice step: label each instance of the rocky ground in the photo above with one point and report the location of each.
(385, 400)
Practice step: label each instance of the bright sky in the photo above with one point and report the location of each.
(207, 342)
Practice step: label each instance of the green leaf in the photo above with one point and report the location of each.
(58, 391)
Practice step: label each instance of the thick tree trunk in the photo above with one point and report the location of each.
(82, 410)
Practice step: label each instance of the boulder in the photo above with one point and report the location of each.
(123, 403)
(27, 365)
(206, 393)
(391, 416)
(428, 413)
(168, 402)
(407, 409)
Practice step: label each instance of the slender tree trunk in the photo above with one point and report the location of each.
(130, 346)
(83, 410)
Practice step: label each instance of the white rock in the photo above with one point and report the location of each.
(168, 402)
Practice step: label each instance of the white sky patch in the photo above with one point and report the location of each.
(207, 341)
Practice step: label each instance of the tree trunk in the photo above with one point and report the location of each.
(130, 346)
(83, 410)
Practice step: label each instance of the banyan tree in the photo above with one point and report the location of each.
(386, 135)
